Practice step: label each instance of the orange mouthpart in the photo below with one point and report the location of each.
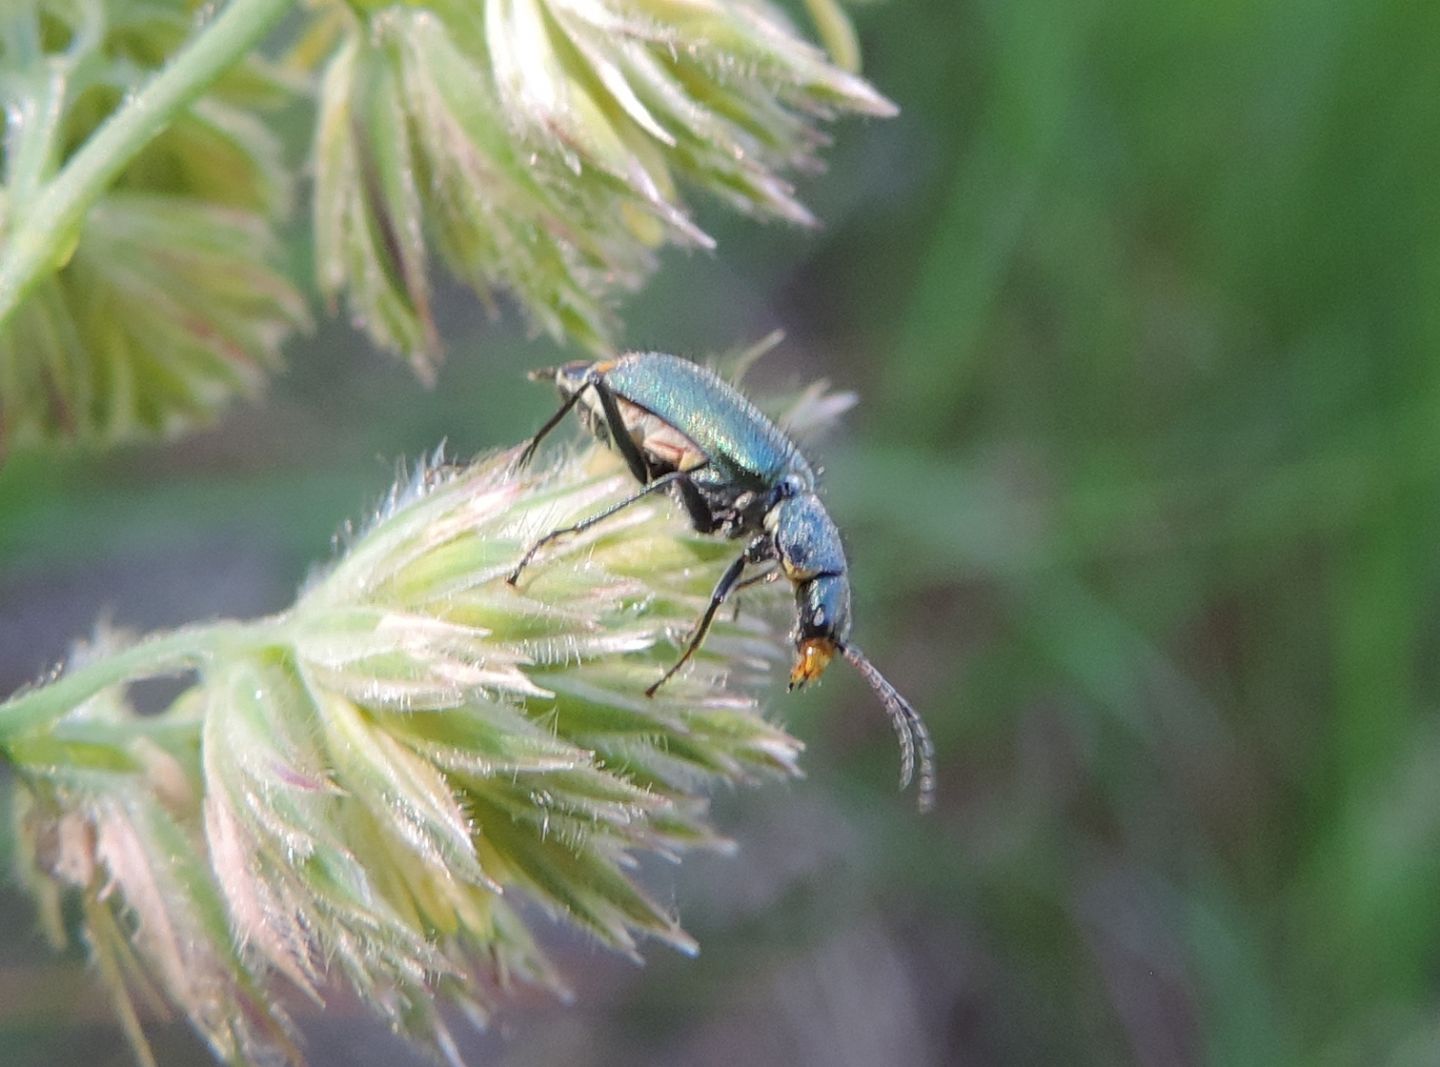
(811, 659)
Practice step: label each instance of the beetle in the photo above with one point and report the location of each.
(683, 429)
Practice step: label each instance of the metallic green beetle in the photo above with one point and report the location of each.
(683, 429)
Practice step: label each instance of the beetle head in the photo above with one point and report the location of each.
(807, 545)
(822, 625)
(566, 377)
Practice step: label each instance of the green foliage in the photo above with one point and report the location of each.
(355, 789)
(165, 312)
(167, 302)
(534, 145)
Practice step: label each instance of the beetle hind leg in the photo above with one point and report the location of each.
(663, 482)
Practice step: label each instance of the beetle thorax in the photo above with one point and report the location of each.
(806, 540)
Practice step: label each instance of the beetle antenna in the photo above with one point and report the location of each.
(909, 728)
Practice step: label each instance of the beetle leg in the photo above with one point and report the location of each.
(554, 420)
(701, 517)
(619, 435)
(663, 482)
(723, 588)
(754, 579)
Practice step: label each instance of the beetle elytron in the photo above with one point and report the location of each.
(682, 428)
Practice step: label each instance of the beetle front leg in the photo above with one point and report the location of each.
(753, 553)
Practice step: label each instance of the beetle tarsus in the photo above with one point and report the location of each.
(513, 578)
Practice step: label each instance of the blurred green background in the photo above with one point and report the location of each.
(1141, 500)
